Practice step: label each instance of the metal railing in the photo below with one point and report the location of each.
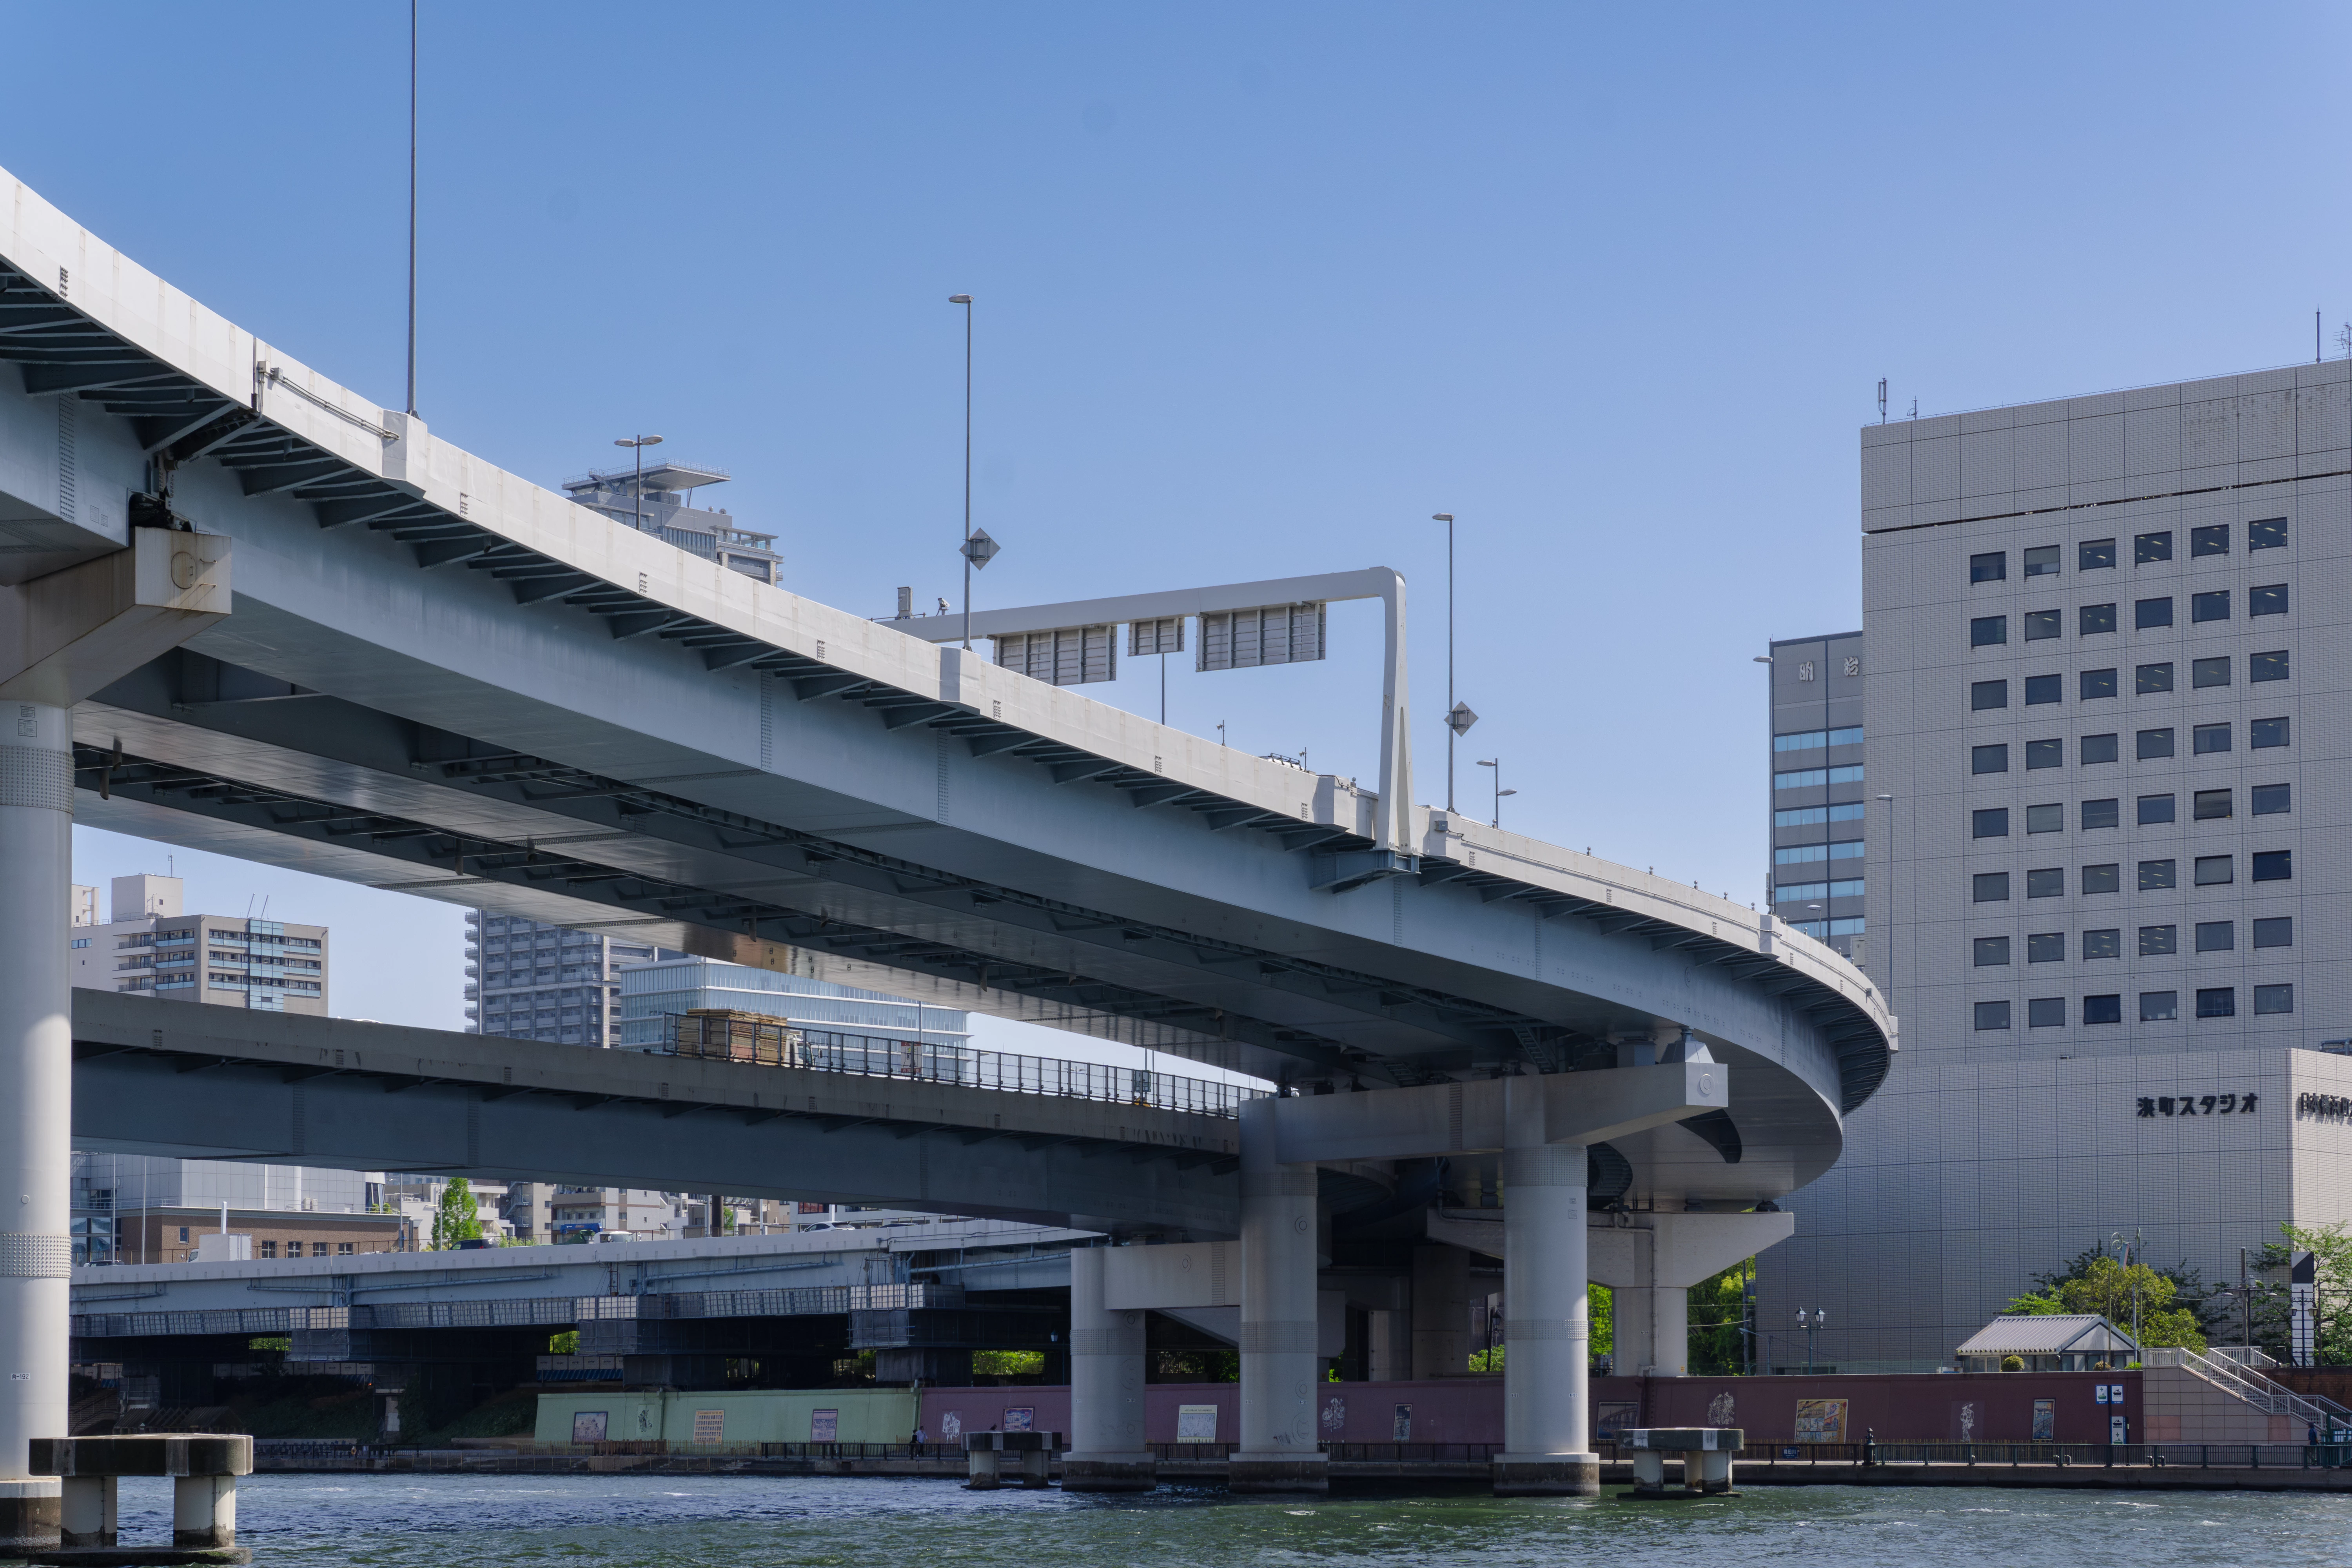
(2186, 1455)
(775, 1043)
(2241, 1380)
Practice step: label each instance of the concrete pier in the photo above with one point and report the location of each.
(1279, 1367)
(1546, 1446)
(1107, 1453)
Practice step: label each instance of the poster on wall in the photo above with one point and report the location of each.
(1400, 1429)
(2045, 1420)
(1613, 1418)
(1196, 1424)
(1020, 1419)
(824, 1425)
(1821, 1420)
(588, 1426)
(710, 1425)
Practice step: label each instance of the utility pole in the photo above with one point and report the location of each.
(965, 301)
(411, 208)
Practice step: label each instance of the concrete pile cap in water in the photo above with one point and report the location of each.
(145, 1454)
(1012, 1442)
(1688, 1439)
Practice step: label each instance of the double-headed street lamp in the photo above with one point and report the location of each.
(1499, 791)
(1818, 1318)
(640, 443)
(1458, 717)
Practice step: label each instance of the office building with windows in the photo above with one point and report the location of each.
(660, 501)
(1819, 795)
(823, 1011)
(2108, 693)
(530, 981)
(227, 960)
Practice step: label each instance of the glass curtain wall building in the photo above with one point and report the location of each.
(649, 992)
(2110, 695)
(1819, 798)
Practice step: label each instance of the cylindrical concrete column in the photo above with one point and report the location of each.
(36, 1106)
(1670, 1323)
(1107, 1451)
(1631, 1345)
(1279, 1368)
(1546, 1327)
(204, 1511)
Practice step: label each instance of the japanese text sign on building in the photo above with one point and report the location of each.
(2198, 1105)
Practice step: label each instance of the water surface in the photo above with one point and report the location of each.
(588, 1521)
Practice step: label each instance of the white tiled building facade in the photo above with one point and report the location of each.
(2107, 692)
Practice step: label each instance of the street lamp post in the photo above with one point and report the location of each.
(640, 443)
(1458, 717)
(1499, 791)
(965, 301)
(1809, 1322)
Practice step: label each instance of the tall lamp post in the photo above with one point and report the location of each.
(640, 443)
(965, 301)
(1818, 1317)
(1499, 791)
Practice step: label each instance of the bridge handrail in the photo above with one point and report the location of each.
(774, 1043)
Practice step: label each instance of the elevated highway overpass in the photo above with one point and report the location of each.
(352, 646)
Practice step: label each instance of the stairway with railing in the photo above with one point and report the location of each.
(2236, 1370)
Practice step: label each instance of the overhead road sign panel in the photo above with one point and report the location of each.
(1269, 634)
(1065, 655)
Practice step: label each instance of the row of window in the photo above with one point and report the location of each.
(1822, 930)
(1810, 816)
(2154, 1007)
(294, 1248)
(1799, 854)
(2155, 942)
(2099, 554)
(1796, 892)
(1814, 740)
(2150, 810)
(2207, 871)
(2148, 615)
(1814, 778)
(2147, 745)
(2148, 680)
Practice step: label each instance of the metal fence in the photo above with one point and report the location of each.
(774, 1043)
(2180, 1456)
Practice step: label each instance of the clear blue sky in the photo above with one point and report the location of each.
(1260, 288)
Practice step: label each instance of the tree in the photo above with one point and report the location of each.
(2331, 1251)
(2097, 1281)
(1719, 1320)
(458, 1219)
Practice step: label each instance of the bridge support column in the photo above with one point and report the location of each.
(36, 1106)
(1547, 1450)
(1279, 1368)
(1107, 1448)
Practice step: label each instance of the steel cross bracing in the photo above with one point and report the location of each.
(180, 419)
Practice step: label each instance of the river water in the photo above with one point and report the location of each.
(588, 1521)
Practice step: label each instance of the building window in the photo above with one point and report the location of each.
(2266, 732)
(2150, 678)
(2097, 749)
(1988, 759)
(2046, 884)
(1984, 694)
(2154, 875)
(2274, 930)
(2274, 866)
(2211, 538)
(1991, 951)
(2090, 620)
(2040, 689)
(268, 1249)
(2217, 936)
(1991, 887)
(2049, 818)
(2155, 744)
(342, 1248)
(2266, 534)
(2102, 1009)
(1991, 822)
(1989, 567)
(2266, 601)
(2046, 947)
(2097, 683)
(2104, 944)
(2046, 1013)
(2267, 666)
(2209, 671)
(2155, 942)
(2217, 1002)
(2045, 754)
(2093, 554)
(2151, 615)
(1993, 1015)
(2272, 800)
(2155, 808)
(2273, 999)
(1987, 631)
(2213, 805)
(2211, 605)
(2158, 1006)
(2099, 813)
(2041, 624)
(2151, 547)
(2042, 560)
(2215, 870)
(2106, 879)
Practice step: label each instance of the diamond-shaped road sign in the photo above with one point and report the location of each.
(1460, 720)
(980, 549)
